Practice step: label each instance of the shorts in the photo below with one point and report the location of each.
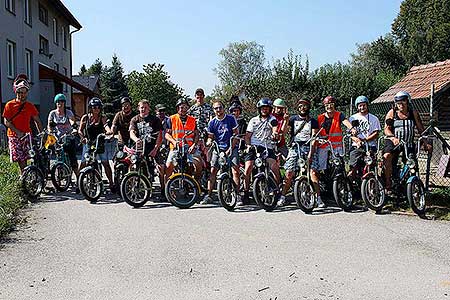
(101, 156)
(284, 151)
(190, 157)
(251, 154)
(292, 159)
(234, 158)
(389, 148)
(18, 149)
(321, 156)
(70, 148)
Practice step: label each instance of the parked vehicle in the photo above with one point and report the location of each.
(61, 171)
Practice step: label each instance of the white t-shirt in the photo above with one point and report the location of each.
(62, 122)
(261, 130)
(367, 125)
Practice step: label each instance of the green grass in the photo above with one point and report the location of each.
(11, 199)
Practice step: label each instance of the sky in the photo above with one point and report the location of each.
(186, 36)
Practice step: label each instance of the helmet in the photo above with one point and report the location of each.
(125, 100)
(59, 97)
(264, 102)
(279, 102)
(19, 84)
(95, 102)
(160, 107)
(328, 100)
(361, 99)
(402, 96)
(199, 90)
(304, 101)
(235, 105)
(181, 101)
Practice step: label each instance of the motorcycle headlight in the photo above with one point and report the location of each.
(258, 162)
(133, 158)
(222, 161)
(411, 163)
(336, 161)
(368, 160)
(87, 156)
(31, 153)
(301, 162)
(120, 155)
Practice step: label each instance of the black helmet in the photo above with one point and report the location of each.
(181, 101)
(95, 102)
(264, 102)
(235, 105)
(125, 100)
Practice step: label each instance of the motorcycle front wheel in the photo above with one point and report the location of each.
(90, 184)
(415, 192)
(266, 193)
(226, 192)
(135, 189)
(372, 192)
(182, 191)
(61, 176)
(304, 195)
(342, 192)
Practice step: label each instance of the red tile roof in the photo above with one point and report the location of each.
(418, 81)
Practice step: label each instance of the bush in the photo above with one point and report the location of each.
(11, 199)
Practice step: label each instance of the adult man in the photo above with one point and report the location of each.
(330, 123)
(121, 122)
(201, 111)
(160, 111)
(236, 110)
(18, 113)
(145, 129)
(261, 130)
(177, 126)
(301, 128)
(221, 128)
(400, 124)
(280, 113)
(368, 129)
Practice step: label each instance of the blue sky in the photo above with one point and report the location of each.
(186, 36)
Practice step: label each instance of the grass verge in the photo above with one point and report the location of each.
(11, 199)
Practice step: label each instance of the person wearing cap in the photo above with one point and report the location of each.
(121, 122)
(330, 127)
(61, 121)
(160, 112)
(400, 124)
(236, 110)
(301, 128)
(368, 130)
(281, 114)
(177, 126)
(18, 113)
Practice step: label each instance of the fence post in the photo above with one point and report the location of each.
(431, 101)
(429, 155)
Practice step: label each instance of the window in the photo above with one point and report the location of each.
(27, 11)
(55, 32)
(56, 67)
(65, 32)
(10, 6)
(65, 84)
(43, 14)
(43, 45)
(11, 59)
(29, 64)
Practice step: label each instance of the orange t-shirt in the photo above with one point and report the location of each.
(22, 120)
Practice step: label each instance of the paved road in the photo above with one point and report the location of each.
(70, 249)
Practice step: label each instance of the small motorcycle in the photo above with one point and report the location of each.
(61, 171)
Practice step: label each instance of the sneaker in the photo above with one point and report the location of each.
(245, 199)
(206, 200)
(281, 201)
(320, 203)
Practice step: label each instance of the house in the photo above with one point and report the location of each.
(80, 98)
(425, 82)
(36, 40)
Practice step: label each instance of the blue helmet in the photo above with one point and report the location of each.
(264, 102)
(361, 99)
(402, 96)
(59, 97)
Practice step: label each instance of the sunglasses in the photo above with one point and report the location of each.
(218, 108)
(20, 92)
(95, 107)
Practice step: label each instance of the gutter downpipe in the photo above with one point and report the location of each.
(71, 67)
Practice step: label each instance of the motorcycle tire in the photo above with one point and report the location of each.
(120, 170)
(33, 182)
(90, 184)
(135, 189)
(372, 193)
(304, 195)
(415, 192)
(226, 188)
(61, 176)
(342, 192)
(182, 191)
(266, 193)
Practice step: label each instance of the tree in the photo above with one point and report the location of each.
(113, 82)
(154, 85)
(96, 68)
(422, 30)
(83, 70)
(242, 69)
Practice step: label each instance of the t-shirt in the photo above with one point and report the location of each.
(304, 134)
(367, 125)
(62, 122)
(328, 121)
(222, 130)
(22, 120)
(144, 127)
(202, 114)
(122, 123)
(280, 120)
(261, 130)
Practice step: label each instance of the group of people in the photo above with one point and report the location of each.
(203, 124)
